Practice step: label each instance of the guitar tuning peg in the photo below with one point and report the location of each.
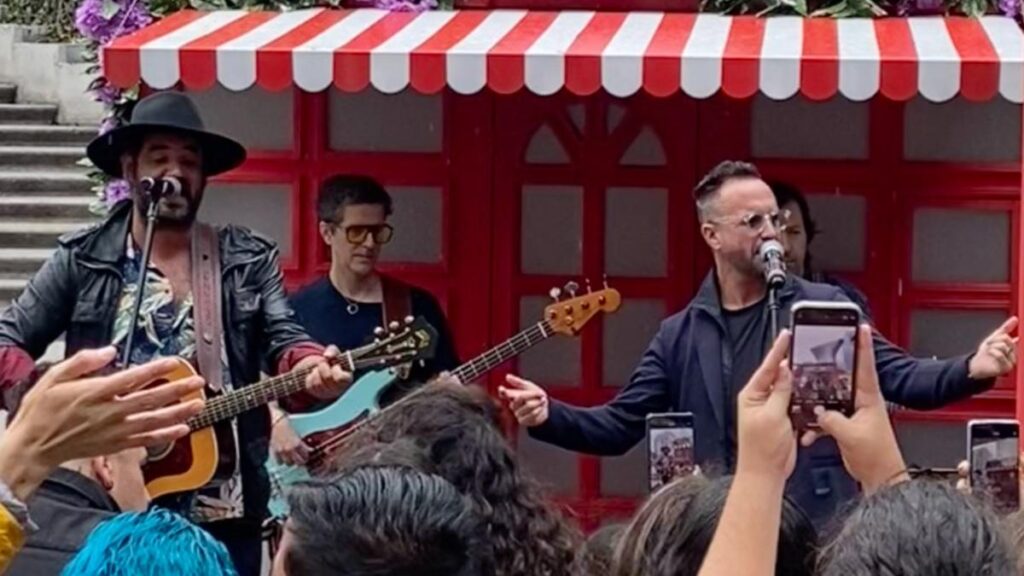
(393, 325)
(589, 289)
(555, 293)
(378, 331)
(571, 287)
(409, 320)
(604, 280)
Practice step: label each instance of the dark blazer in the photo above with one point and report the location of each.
(66, 508)
(681, 371)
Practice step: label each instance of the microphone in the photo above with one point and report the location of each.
(769, 257)
(160, 187)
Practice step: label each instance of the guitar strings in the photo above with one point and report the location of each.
(242, 400)
(249, 397)
(524, 340)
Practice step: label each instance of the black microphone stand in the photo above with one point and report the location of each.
(773, 308)
(140, 286)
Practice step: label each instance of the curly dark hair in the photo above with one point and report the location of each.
(458, 427)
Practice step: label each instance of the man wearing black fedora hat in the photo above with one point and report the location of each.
(213, 296)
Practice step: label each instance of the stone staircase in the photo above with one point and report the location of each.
(43, 193)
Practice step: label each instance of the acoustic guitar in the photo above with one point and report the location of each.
(320, 430)
(208, 452)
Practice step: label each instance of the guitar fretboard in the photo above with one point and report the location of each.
(250, 397)
(507, 350)
(466, 373)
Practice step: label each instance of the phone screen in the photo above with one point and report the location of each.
(669, 447)
(994, 456)
(823, 358)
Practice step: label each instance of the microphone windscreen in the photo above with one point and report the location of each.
(770, 246)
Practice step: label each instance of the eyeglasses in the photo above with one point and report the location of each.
(357, 233)
(755, 222)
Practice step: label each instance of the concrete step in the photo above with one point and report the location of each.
(21, 157)
(23, 260)
(45, 135)
(27, 113)
(8, 93)
(48, 182)
(29, 234)
(74, 208)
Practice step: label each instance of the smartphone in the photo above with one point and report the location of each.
(993, 452)
(823, 359)
(669, 447)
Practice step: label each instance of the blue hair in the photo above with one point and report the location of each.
(153, 543)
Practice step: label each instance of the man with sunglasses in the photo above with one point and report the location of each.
(346, 306)
(703, 356)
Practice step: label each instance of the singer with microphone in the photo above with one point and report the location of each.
(704, 355)
(154, 281)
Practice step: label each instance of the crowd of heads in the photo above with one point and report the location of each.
(431, 486)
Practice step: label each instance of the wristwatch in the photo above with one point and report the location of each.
(16, 507)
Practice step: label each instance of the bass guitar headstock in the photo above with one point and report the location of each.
(569, 316)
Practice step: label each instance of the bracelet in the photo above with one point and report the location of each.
(278, 420)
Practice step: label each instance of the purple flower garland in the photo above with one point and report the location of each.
(100, 22)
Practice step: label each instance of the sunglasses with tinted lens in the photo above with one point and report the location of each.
(356, 234)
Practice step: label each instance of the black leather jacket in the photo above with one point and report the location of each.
(77, 292)
(66, 508)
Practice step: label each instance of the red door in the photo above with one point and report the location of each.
(586, 187)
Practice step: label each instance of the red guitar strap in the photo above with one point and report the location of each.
(397, 299)
(206, 298)
(397, 305)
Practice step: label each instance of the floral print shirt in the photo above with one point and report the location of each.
(167, 328)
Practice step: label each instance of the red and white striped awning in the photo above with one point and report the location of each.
(582, 52)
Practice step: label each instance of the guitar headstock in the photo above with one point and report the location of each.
(411, 340)
(569, 316)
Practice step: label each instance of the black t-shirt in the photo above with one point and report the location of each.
(323, 312)
(746, 341)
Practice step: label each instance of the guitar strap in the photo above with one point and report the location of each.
(206, 298)
(396, 305)
(397, 299)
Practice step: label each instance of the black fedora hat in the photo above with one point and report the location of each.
(165, 112)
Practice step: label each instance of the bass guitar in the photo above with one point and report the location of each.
(208, 452)
(565, 317)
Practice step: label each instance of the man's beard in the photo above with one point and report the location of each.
(179, 211)
(748, 265)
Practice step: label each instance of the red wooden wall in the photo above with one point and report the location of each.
(482, 168)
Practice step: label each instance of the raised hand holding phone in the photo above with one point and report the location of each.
(823, 358)
(866, 439)
(767, 442)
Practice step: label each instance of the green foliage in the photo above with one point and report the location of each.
(57, 17)
(164, 7)
(812, 8)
